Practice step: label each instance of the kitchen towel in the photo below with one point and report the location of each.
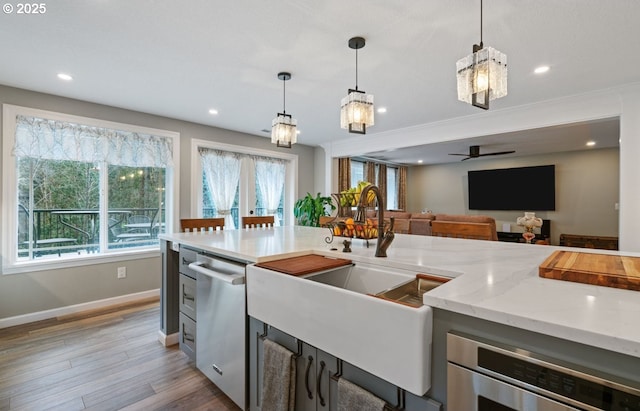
(354, 398)
(279, 378)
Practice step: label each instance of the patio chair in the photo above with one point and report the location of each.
(134, 229)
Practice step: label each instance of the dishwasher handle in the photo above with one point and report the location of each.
(233, 279)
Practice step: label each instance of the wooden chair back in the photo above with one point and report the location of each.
(456, 229)
(258, 221)
(201, 224)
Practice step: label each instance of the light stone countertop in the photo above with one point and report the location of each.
(494, 281)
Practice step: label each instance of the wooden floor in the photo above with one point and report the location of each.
(102, 360)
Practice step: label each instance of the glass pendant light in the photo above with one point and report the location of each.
(283, 127)
(356, 109)
(482, 75)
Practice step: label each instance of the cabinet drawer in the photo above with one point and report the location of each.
(187, 296)
(188, 336)
(187, 256)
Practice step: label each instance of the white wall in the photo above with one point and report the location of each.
(586, 190)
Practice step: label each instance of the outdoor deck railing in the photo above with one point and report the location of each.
(57, 231)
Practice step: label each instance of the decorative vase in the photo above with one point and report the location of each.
(529, 222)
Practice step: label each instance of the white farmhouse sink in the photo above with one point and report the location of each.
(387, 339)
(364, 279)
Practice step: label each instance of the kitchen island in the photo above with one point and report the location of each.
(495, 293)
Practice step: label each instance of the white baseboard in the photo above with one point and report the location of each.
(168, 340)
(72, 309)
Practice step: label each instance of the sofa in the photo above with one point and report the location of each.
(420, 223)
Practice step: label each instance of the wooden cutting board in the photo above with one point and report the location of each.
(304, 264)
(598, 269)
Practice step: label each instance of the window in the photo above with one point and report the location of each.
(392, 188)
(370, 171)
(82, 187)
(358, 172)
(237, 181)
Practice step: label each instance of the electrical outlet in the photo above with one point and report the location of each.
(122, 272)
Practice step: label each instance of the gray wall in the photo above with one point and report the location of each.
(43, 290)
(587, 189)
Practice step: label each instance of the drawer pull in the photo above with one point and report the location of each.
(188, 337)
(185, 261)
(306, 378)
(318, 388)
(188, 297)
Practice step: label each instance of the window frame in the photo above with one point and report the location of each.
(291, 177)
(396, 191)
(10, 265)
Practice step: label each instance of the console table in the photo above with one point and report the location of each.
(516, 237)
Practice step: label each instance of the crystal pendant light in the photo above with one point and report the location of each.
(283, 127)
(482, 75)
(356, 109)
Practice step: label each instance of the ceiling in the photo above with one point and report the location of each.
(180, 59)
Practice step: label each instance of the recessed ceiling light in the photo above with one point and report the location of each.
(382, 109)
(419, 161)
(65, 77)
(297, 131)
(541, 69)
(213, 111)
(591, 143)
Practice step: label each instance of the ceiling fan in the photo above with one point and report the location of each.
(474, 152)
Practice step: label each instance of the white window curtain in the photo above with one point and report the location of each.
(222, 169)
(60, 140)
(270, 173)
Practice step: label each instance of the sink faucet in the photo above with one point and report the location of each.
(384, 237)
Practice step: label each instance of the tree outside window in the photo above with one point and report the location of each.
(82, 189)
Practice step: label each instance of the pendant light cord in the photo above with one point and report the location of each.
(480, 23)
(356, 69)
(284, 96)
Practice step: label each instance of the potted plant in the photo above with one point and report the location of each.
(308, 209)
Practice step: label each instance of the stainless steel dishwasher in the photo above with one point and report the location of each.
(221, 327)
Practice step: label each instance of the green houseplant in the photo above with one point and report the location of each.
(308, 209)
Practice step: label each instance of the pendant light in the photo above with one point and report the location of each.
(283, 127)
(356, 109)
(482, 75)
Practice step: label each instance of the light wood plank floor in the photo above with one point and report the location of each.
(106, 359)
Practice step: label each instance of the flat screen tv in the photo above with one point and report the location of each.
(521, 188)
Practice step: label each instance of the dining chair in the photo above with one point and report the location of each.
(264, 221)
(201, 224)
(325, 220)
(458, 229)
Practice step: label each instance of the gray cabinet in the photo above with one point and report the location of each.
(187, 296)
(187, 302)
(187, 335)
(315, 390)
(168, 291)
